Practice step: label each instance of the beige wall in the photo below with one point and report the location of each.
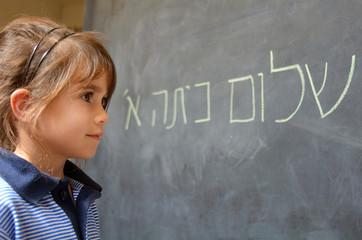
(70, 12)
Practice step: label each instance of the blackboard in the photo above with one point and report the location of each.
(231, 119)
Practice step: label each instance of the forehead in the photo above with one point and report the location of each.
(100, 84)
(100, 81)
(90, 74)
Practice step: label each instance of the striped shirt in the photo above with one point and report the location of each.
(35, 205)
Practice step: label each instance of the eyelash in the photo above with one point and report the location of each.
(86, 97)
(105, 102)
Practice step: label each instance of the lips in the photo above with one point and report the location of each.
(96, 136)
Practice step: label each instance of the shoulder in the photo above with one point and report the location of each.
(8, 201)
(7, 193)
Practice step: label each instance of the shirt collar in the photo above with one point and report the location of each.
(32, 184)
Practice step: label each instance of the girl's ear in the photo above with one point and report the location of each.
(18, 101)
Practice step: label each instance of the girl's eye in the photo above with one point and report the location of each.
(86, 97)
(104, 102)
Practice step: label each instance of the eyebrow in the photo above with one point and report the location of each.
(95, 88)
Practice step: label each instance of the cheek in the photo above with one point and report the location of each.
(58, 123)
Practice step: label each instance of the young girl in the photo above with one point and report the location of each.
(55, 86)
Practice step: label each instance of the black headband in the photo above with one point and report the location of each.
(44, 54)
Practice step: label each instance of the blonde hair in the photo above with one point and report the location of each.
(78, 58)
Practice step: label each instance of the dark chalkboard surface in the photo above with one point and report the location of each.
(232, 119)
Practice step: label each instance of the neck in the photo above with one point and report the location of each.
(51, 165)
(40, 156)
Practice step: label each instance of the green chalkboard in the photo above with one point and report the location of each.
(232, 119)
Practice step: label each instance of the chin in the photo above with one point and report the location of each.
(85, 155)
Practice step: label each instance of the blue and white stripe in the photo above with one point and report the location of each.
(20, 219)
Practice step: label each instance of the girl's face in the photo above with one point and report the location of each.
(72, 125)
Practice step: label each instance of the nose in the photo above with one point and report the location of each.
(102, 116)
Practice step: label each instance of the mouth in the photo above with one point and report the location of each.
(96, 136)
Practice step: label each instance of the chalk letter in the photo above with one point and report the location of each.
(287, 68)
(165, 106)
(207, 84)
(232, 81)
(316, 95)
(262, 95)
(132, 109)
(182, 97)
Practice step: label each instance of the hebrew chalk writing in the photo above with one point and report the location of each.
(177, 112)
(232, 81)
(301, 75)
(132, 109)
(208, 116)
(349, 80)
